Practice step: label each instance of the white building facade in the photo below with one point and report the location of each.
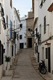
(22, 34)
(16, 23)
(6, 22)
(43, 28)
(8, 34)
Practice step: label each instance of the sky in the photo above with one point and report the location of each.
(23, 6)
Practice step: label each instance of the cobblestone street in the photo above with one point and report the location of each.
(24, 69)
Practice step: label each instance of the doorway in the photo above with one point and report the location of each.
(21, 45)
(29, 42)
(48, 57)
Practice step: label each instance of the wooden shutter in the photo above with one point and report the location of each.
(0, 54)
(44, 24)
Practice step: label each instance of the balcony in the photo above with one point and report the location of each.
(50, 9)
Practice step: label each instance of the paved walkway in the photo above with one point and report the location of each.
(24, 69)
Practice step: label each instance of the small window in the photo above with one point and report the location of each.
(44, 24)
(14, 35)
(11, 3)
(44, 0)
(36, 30)
(25, 43)
(17, 37)
(46, 53)
(20, 36)
(41, 4)
(20, 25)
(0, 26)
(6, 21)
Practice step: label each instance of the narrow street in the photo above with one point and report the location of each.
(24, 69)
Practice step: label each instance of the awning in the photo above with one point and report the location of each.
(50, 9)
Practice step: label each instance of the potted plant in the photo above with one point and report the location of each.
(7, 59)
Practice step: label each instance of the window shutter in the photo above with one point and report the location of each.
(0, 26)
(14, 35)
(0, 54)
(44, 24)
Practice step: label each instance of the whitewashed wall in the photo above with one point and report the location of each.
(49, 29)
(23, 32)
(16, 22)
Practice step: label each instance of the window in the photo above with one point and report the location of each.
(14, 35)
(25, 43)
(7, 20)
(44, 24)
(36, 30)
(10, 29)
(40, 29)
(42, 2)
(42, 53)
(46, 53)
(11, 3)
(20, 25)
(17, 37)
(0, 26)
(20, 36)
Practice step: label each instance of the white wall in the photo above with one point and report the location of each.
(3, 37)
(16, 22)
(23, 33)
(35, 9)
(49, 29)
